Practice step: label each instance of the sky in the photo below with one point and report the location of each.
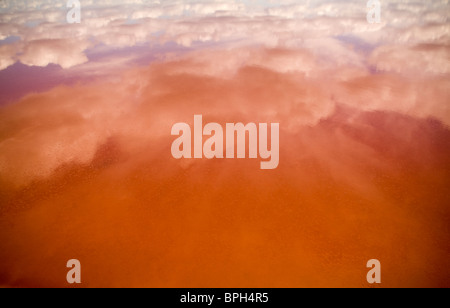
(86, 172)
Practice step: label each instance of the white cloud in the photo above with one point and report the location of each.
(291, 24)
(416, 60)
(67, 53)
(7, 55)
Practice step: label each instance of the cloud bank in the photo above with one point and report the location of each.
(234, 23)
